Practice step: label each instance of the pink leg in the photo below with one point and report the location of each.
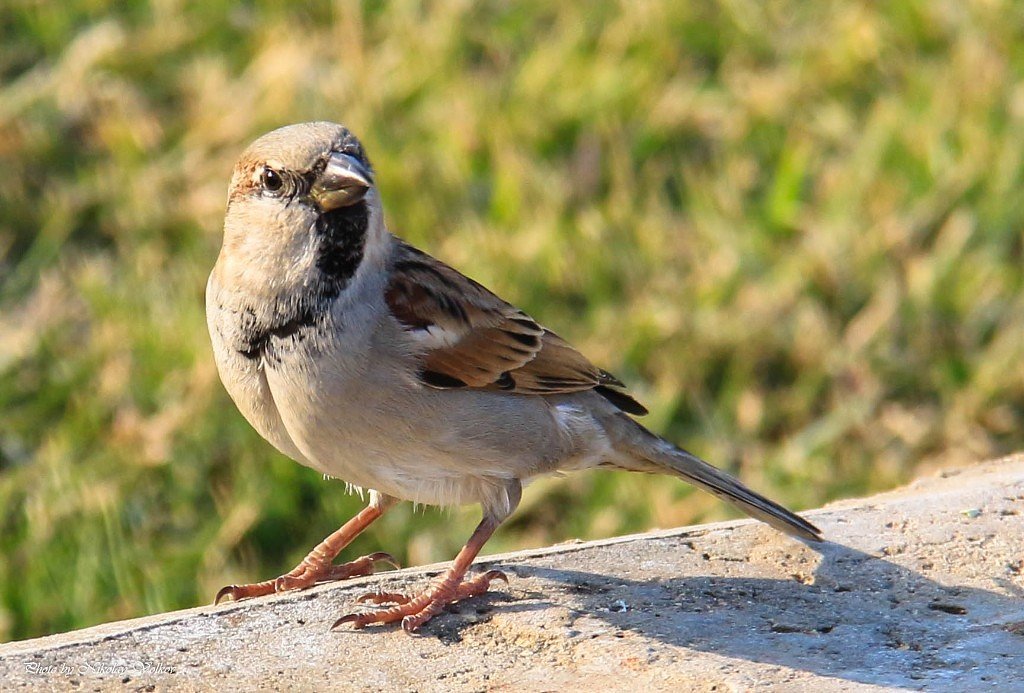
(413, 612)
(317, 565)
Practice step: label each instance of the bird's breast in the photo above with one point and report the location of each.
(341, 395)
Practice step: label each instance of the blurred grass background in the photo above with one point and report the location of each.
(794, 228)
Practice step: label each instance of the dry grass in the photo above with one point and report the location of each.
(794, 228)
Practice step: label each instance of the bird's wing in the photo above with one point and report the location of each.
(471, 338)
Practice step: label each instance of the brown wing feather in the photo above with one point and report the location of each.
(473, 338)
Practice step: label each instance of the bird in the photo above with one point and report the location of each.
(362, 357)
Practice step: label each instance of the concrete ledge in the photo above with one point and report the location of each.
(920, 588)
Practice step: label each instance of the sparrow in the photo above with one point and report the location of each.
(368, 360)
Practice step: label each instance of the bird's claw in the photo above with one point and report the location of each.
(306, 575)
(359, 567)
(383, 598)
(348, 618)
(226, 591)
(383, 557)
(413, 612)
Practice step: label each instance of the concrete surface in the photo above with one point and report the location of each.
(922, 588)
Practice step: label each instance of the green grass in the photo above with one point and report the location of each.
(794, 228)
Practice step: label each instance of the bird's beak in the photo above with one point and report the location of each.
(343, 182)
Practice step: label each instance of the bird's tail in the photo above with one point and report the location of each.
(642, 451)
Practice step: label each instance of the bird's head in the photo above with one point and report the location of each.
(302, 210)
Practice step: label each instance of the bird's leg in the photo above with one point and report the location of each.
(414, 611)
(317, 566)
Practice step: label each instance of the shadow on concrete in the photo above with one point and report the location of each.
(861, 618)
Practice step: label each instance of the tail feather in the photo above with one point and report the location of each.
(649, 453)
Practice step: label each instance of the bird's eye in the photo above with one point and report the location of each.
(272, 180)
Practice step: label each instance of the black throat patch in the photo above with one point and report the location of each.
(342, 234)
(341, 237)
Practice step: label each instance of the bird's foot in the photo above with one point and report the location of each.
(414, 611)
(306, 574)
